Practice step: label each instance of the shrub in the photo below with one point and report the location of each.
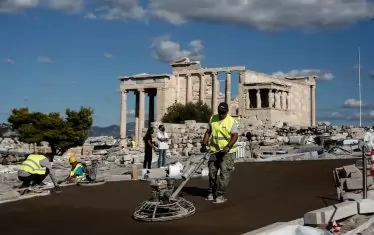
(178, 113)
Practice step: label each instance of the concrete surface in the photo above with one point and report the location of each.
(259, 194)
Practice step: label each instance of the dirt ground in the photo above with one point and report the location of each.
(259, 194)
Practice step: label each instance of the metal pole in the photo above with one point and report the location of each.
(359, 83)
(364, 174)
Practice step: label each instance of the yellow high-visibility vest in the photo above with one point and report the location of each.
(32, 164)
(221, 133)
(72, 172)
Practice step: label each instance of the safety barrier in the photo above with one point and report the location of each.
(240, 153)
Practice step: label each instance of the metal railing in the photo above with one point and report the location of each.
(241, 153)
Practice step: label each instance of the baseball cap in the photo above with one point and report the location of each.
(223, 108)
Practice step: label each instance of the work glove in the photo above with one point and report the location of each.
(225, 149)
(203, 149)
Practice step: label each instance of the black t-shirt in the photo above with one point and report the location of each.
(147, 146)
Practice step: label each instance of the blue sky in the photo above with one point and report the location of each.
(58, 54)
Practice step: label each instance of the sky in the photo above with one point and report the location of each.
(58, 54)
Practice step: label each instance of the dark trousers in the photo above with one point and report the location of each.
(33, 179)
(147, 160)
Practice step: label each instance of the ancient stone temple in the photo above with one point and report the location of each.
(262, 99)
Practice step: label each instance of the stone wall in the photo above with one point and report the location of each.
(188, 137)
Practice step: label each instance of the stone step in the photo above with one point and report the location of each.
(331, 213)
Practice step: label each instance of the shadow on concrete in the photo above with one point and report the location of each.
(195, 191)
(329, 199)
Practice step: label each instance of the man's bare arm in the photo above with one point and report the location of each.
(234, 138)
(206, 137)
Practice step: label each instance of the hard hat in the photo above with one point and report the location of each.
(72, 159)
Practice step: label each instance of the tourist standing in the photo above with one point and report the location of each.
(163, 145)
(148, 147)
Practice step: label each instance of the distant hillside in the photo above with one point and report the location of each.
(113, 130)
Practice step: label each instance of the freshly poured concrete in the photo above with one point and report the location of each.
(259, 194)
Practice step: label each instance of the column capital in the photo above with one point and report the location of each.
(141, 89)
(124, 91)
(228, 72)
(214, 73)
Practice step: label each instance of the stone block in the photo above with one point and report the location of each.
(156, 173)
(365, 206)
(116, 178)
(127, 158)
(9, 195)
(331, 213)
(356, 183)
(351, 171)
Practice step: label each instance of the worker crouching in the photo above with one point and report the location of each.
(223, 134)
(76, 172)
(34, 170)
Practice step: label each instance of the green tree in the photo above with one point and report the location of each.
(178, 113)
(61, 133)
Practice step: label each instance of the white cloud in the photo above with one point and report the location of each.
(20, 5)
(131, 113)
(322, 75)
(9, 61)
(108, 55)
(167, 50)
(269, 15)
(44, 60)
(266, 14)
(118, 10)
(353, 103)
(336, 115)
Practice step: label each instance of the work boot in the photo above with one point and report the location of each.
(220, 199)
(210, 197)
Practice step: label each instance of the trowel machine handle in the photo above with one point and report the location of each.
(207, 154)
(186, 176)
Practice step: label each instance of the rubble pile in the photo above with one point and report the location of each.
(187, 137)
(184, 138)
(13, 144)
(101, 141)
(281, 135)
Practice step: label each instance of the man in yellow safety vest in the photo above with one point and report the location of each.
(34, 170)
(76, 172)
(223, 134)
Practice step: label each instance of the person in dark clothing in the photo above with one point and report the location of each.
(148, 147)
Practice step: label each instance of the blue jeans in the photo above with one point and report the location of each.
(161, 157)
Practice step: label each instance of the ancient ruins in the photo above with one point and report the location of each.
(262, 99)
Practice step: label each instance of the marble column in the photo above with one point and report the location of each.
(277, 100)
(228, 88)
(271, 98)
(258, 97)
(241, 95)
(215, 90)
(123, 122)
(288, 100)
(246, 99)
(284, 100)
(189, 88)
(141, 115)
(202, 88)
(313, 105)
